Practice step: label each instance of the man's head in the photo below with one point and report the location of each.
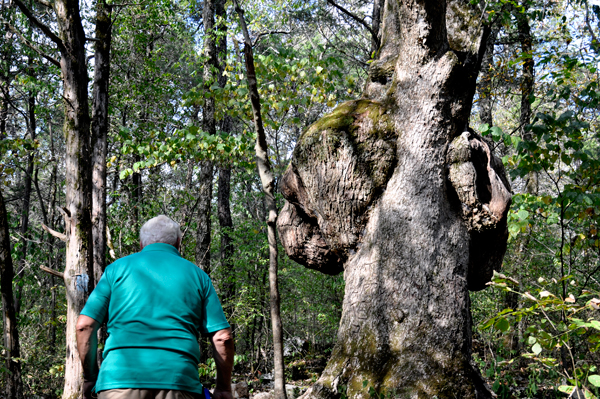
(160, 229)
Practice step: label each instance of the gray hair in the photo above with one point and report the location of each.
(160, 229)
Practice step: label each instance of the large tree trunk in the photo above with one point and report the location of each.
(14, 385)
(268, 185)
(78, 272)
(389, 189)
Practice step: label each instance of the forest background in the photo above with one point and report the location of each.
(535, 331)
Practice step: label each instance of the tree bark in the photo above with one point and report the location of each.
(25, 207)
(224, 181)
(205, 188)
(4, 90)
(100, 133)
(527, 85)
(14, 384)
(376, 26)
(77, 212)
(203, 233)
(78, 274)
(486, 103)
(226, 225)
(268, 185)
(392, 189)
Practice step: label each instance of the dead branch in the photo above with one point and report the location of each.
(53, 272)
(60, 236)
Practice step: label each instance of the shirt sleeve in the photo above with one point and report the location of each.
(213, 318)
(96, 306)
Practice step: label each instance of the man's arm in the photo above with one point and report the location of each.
(223, 350)
(87, 345)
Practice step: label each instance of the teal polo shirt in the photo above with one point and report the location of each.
(156, 304)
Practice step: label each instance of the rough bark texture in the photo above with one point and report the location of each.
(205, 187)
(25, 207)
(78, 223)
(527, 85)
(376, 25)
(100, 134)
(209, 125)
(388, 189)
(486, 104)
(224, 182)
(14, 385)
(268, 185)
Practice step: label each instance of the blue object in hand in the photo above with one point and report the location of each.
(206, 393)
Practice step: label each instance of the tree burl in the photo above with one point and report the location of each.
(397, 192)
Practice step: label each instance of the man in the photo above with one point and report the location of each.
(156, 304)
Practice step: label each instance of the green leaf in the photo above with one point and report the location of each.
(537, 349)
(502, 324)
(566, 389)
(523, 214)
(595, 324)
(594, 380)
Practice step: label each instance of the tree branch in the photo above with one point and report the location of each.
(111, 247)
(45, 3)
(354, 17)
(26, 42)
(589, 26)
(53, 272)
(44, 28)
(60, 236)
(271, 32)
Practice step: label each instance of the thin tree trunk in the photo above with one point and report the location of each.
(205, 187)
(25, 207)
(486, 103)
(100, 133)
(4, 90)
(226, 226)
(224, 181)
(527, 85)
(136, 193)
(376, 18)
(14, 384)
(203, 233)
(268, 185)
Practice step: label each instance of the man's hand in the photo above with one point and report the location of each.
(222, 342)
(218, 394)
(88, 386)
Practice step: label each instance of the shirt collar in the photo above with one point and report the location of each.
(159, 246)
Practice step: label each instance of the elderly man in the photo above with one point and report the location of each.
(156, 304)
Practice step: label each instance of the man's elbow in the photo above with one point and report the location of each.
(86, 323)
(223, 337)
